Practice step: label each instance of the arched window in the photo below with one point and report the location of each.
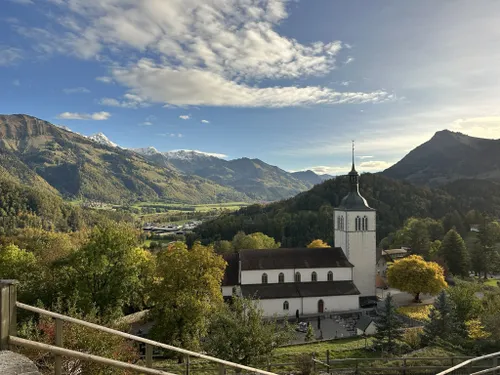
(286, 306)
(297, 277)
(358, 223)
(329, 276)
(342, 222)
(338, 223)
(365, 223)
(264, 278)
(281, 277)
(314, 276)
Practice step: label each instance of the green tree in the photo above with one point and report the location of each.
(186, 293)
(223, 247)
(309, 333)
(455, 253)
(388, 328)
(435, 249)
(414, 275)
(489, 236)
(239, 333)
(256, 240)
(463, 297)
(105, 271)
(317, 244)
(442, 322)
(19, 264)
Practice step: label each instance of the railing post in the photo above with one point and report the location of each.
(149, 356)
(404, 366)
(222, 369)
(328, 360)
(187, 364)
(495, 364)
(314, 362)
(59, 342)
(8, 299)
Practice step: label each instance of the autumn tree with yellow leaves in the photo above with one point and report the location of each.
(317, 243)
(414, 275)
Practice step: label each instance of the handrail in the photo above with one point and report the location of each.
(84, 356)
(469, 361)
(140, 339)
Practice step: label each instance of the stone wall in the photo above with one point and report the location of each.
(16, 364)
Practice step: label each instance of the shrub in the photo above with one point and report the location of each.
(416, 312)
(304, 364)
(412, 337)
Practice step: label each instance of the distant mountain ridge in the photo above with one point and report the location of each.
(253, 177)
(34, 151)
(37, 152)
(449, 156)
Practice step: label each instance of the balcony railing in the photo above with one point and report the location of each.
(8, 339)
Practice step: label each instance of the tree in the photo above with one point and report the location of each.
(223, 247)
(105, 271)
(442, 322)
(186, 293)
(488, 236)
(317, 244)
(455, 254)
(463, 297)
(388, 327)
(414, 275)
(435, 249)
(239, 333)
(309, 333)
(256, 240)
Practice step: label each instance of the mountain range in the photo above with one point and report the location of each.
(36, 152)
(449, 156)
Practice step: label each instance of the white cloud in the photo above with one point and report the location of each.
(149, 120)
(104, 79)
(345, 83)
(130, 101)
(97, 116)
(368, 166)
(9, 55)
(172, 135)
(77, 90)
(365, 157)
(482, 127)
(16, 82)
(22, 2)
(180, 86)
(200, 53)
(349, 60)
(205, 121)
(185, 117)
(146, 123)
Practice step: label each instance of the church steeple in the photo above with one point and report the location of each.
(353, 200)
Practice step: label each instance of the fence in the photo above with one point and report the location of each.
(8, 338)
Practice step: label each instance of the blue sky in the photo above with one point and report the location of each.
(289, 82)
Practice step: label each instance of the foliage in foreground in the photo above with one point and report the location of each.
(388, 328)
(239, 334)
(79, 338)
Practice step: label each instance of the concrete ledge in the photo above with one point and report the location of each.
(16, 364)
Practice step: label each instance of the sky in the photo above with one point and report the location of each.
(289, 82)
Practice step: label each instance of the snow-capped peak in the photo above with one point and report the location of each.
(191, 154)
(146, 150)
(102, 139)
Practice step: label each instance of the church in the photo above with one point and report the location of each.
(303, 281)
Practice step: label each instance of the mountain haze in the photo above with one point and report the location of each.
(449, 156)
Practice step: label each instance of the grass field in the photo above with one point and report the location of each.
(196, 207)
(283, 360)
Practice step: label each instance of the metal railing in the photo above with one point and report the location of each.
(8, 338)
(468, 366)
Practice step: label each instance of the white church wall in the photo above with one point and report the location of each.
(331, 304)
(255, 276)
(362, 252)
(275, 306)
(227, 291)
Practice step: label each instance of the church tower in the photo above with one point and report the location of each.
(355, 232)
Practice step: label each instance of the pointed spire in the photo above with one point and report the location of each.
(353, 166)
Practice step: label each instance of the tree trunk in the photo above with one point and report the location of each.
(417, 298)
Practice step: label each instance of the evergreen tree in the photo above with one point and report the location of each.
(442, 322)
(388, 327)
(455, 253)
